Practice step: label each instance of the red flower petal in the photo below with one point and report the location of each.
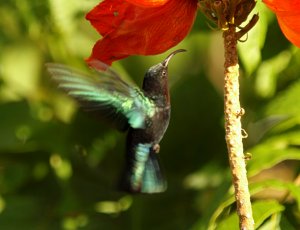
(144, 29)
(147, 3)
(288, 16)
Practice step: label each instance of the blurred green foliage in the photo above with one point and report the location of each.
(59, 167)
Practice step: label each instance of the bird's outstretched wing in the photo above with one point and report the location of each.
(105, 93)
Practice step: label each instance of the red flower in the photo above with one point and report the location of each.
(147, 27)
(139, 27)
(288, 16)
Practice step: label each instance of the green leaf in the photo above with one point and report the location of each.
(285, 102)
(257, 130)
(213, 221)
(285, 224)
(267, 74)
(293, 189)
(273, 151)
(272, 223)
(250, 51)
(262, 210)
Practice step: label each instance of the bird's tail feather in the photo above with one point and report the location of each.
(143, 173)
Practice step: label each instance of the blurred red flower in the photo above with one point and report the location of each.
(139, 27)
(288, 16)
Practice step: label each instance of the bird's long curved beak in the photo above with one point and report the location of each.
(166, 61)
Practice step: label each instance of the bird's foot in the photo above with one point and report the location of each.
(156, 148)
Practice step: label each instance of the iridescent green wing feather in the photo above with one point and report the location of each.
(106, 94)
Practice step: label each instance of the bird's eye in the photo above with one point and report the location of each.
(164, 73)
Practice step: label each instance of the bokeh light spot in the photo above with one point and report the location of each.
(62, 168)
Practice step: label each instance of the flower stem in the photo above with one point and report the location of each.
(233, 129)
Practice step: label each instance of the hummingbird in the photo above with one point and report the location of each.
(143, 113)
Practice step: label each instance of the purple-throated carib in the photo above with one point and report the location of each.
(144, 113)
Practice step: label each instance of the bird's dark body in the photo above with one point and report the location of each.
(145, 113)
(151, 135)
(155, 126)
(155, 87)
(154, 130)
